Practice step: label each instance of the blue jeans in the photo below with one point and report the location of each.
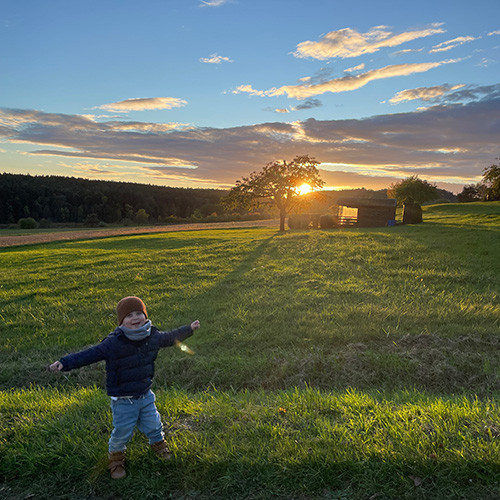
(129, 413)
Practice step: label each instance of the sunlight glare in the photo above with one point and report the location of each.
(304, 189)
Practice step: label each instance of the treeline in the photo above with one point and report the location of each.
(72, 200)
(488, 189)
(69, 200)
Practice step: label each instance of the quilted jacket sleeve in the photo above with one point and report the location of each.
(87, 356)
(168, 338)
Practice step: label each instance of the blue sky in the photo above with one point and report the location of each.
(200, 93)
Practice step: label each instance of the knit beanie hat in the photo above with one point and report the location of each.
(128, 305)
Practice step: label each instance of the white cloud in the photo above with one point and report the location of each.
(215, 59)
(248, 89)
(407, 51)
(349, 43)
(424, 93)
(346, 83)
(355, 68)
(141, 104)
(451, 44)
(282, 110)
(497, 32)
(212, 3)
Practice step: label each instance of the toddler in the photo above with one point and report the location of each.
(130, 352)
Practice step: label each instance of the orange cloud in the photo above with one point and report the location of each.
(142, 104)
(349, 43)
(424, 93)
(343, 84)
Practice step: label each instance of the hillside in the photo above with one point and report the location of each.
(68, 199)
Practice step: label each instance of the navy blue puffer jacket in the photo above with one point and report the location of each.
(130, 364)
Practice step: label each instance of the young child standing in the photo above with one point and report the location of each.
(130, 352)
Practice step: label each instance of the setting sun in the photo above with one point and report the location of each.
(304, 189)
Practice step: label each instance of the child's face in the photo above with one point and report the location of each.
(134, 320)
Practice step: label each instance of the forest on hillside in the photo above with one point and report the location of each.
(57, 199)
(68, 199)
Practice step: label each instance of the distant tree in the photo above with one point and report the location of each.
(412, 190)
(491, 181)
(469, 193)
(92, 220)
(411, 193)
(276, 184)
(141, 216)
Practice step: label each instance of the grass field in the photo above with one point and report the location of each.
(357, 363)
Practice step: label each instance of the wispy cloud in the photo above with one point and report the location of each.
(475, 93)
(451, 44)
(215, 59)
(142, 104)
(497, 32)
(343, 84)
(212, 3)
(248, 89)
(359, 67)
(424, 93)
(348, 42)
(407, 51)
(309, 104)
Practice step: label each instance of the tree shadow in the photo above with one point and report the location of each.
(232, 358)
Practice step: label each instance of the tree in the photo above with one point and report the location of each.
(412, 190)
(277, 183)
(491, 180)
(410, 193)
(469, 193)
(141, 216)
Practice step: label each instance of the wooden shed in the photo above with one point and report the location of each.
(366, 212)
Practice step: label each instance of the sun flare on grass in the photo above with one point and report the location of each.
(304, 189)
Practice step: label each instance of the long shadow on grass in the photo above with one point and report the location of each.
(238, 358)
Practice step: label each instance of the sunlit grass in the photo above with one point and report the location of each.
(330, 364)
(260, 444)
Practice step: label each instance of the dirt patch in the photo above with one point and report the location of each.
(32, 239)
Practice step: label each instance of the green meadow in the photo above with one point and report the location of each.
(331, 364)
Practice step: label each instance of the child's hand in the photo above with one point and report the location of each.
(195, 325)
(57, 366)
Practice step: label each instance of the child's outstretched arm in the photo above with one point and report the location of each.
(78, 359)
(179, 334)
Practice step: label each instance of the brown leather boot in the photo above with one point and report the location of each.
(117, 464)
(161, 449)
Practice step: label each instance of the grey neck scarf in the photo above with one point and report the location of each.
(138, 333)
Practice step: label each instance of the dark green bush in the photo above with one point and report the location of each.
(91, 220)
(27, 223)
(44, 223)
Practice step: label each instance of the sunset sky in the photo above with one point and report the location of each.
(196, 93)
